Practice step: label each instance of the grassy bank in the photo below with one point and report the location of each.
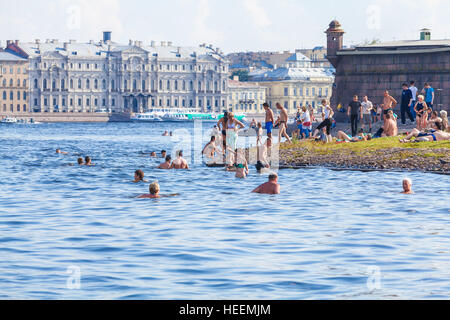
(382, 153)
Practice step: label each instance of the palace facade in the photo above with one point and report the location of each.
(13, 84)
(104, 75)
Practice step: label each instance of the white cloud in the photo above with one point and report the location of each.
(203, 29)
(257, 13)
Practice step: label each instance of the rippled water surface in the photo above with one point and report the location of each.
(329, 235)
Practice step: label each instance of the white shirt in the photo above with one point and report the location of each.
(306, 118)
(327, 112)
(414, 92)
(366, 106)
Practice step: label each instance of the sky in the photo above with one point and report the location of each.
(232, 25)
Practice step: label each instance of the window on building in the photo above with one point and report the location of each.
(11, 95)
(4, 95)
(314, 92)
(88, 84)
(79, 102)
(104, 84)
(79, 83)
(113, 102)
(176, 85)
(168, 85)
(134, 85)
(286, 92)
(95, 84)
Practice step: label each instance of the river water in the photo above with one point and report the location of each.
(70, 232)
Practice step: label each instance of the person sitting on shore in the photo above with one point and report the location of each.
(407, 186)
(180, 162)
(438, 135)
(435, 122)
(390, 128)
(210, 148)
(154, 192)
(80, 161)
(139, 176)
(360, 137)
(444, 118)
(58, 151)
(167, 165)
(88, 161)
(270, 187)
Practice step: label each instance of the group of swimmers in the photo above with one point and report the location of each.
(87, 161)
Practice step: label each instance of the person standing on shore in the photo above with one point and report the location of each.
(414, 91)
(407, 99)
(421, 109)
(283, 123)
(366, 114)
(327, 116)
(389, 103)
(428, 91)
(354, 107)
(269, 123)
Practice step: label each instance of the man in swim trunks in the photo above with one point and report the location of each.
(166, 165)
(270, 187)
(269, 123)
(389, 103)
(283, 123)
(180, 162)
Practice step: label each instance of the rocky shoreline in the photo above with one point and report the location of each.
(388, 159)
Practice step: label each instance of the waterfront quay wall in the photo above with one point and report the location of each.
(372, 74)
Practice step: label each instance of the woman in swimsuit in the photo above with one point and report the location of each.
(421, 108)
(240, 165)
(435, 122)
(438, 135)
(232, 127)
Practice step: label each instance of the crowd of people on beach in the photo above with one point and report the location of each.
(222, 148)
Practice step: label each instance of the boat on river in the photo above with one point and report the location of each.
(179, 115)
(8, 120)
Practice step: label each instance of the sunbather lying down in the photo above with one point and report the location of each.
(437, 135)
(361, 137)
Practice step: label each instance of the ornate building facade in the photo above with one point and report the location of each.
(86, 77)
(13, 84)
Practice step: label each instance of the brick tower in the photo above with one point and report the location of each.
(335, 41)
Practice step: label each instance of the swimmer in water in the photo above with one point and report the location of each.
(80, 161)
(139, 176)
(407, 186)
(165, 134)
(166, 165)
(270, 187)
(180, 162)
(88, 161)
(163, 154)
(153, 154)
(58, 151)
(154, 192)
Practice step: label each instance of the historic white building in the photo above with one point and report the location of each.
(85, 77)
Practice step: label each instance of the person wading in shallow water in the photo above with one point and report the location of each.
(221, 125)
(283, 123)
(407, 186)
(154, 192)
(180, 162)
(167, 164)
(270, 187)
